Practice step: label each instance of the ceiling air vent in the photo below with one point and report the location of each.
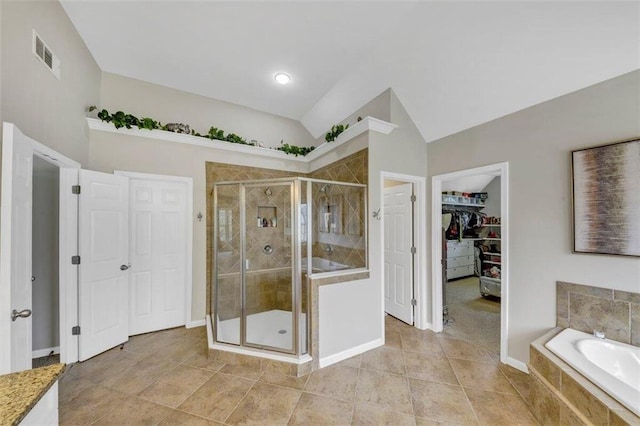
(46, 56)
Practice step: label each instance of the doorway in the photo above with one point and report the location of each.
(470, 259)
(402, 217)
(45, 254)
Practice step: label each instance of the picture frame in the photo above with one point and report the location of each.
(606, 199)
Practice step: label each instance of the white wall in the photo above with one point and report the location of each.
(45, 293)
(379, 107)
(492, 204)
(351, 313)
(144, 99)
(46, 109)
(537, 143)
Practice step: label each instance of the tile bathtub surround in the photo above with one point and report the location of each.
(560, 395)
(373, 388)
(586, 308)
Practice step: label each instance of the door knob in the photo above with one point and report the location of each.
(125, 267)
(25, 313)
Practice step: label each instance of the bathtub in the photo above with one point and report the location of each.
(612, 366)
(319, 264)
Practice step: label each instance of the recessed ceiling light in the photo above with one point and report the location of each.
(282, 78)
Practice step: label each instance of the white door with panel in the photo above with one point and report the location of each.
(15, 264)
(158, 244)
(398, 255)
(104, 259)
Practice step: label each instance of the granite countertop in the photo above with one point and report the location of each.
(21, 391)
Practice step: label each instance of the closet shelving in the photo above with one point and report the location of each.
(460, 252)
(491, 259)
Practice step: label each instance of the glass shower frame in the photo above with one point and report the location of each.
(301, 192)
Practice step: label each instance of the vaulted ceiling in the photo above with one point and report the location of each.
(452, 64)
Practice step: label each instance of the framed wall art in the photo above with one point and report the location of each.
(606, 199)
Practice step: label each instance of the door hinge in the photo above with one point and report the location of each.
(413, 250)
(414, 302)
(413, 198)
(75, 330)
(75, 189)
(75, 260)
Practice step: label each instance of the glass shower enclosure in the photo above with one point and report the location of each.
(270, 236)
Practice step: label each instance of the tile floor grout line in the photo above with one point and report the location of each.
(355, 394)
(325, 396)
(209, 419)
(462, 388)
(195, 390)
(156, 380)
(239, 402)
(413, 410)
(473, 409)
(294, 408)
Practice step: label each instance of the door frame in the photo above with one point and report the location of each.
(499, 169)
(420, 292)
(68, 246)
(189, 323)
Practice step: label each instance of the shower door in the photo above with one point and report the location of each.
(269, 296)
(228, 264)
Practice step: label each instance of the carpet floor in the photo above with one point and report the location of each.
(472, 317)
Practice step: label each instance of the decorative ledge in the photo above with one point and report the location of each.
(366, 124)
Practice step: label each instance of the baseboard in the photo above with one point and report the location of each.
(196, 323)
(519, 365)
(341, 356)
(427, 326)
(39, 353)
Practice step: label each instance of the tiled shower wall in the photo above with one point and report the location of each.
(274, 274)
(586, 308)
(348, 246)
(230, 265)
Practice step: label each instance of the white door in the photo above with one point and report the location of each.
(104, 258)
(398, 259)
(158, 244)
(15, 263)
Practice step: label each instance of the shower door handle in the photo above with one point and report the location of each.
(125, 267)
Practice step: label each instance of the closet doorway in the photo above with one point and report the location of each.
(470, 261)
(45, 263)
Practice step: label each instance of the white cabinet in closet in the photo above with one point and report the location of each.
(459, 258)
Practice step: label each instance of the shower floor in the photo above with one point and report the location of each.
(264, 329)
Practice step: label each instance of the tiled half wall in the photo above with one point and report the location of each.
(586, 308)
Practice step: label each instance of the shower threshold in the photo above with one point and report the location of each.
(270, 328)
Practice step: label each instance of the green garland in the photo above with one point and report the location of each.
(120, 119)
(335, 131)
(295, 150)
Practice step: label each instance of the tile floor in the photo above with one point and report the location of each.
(417, 378)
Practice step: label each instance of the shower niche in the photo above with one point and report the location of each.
(271, 237)
(267, 217)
